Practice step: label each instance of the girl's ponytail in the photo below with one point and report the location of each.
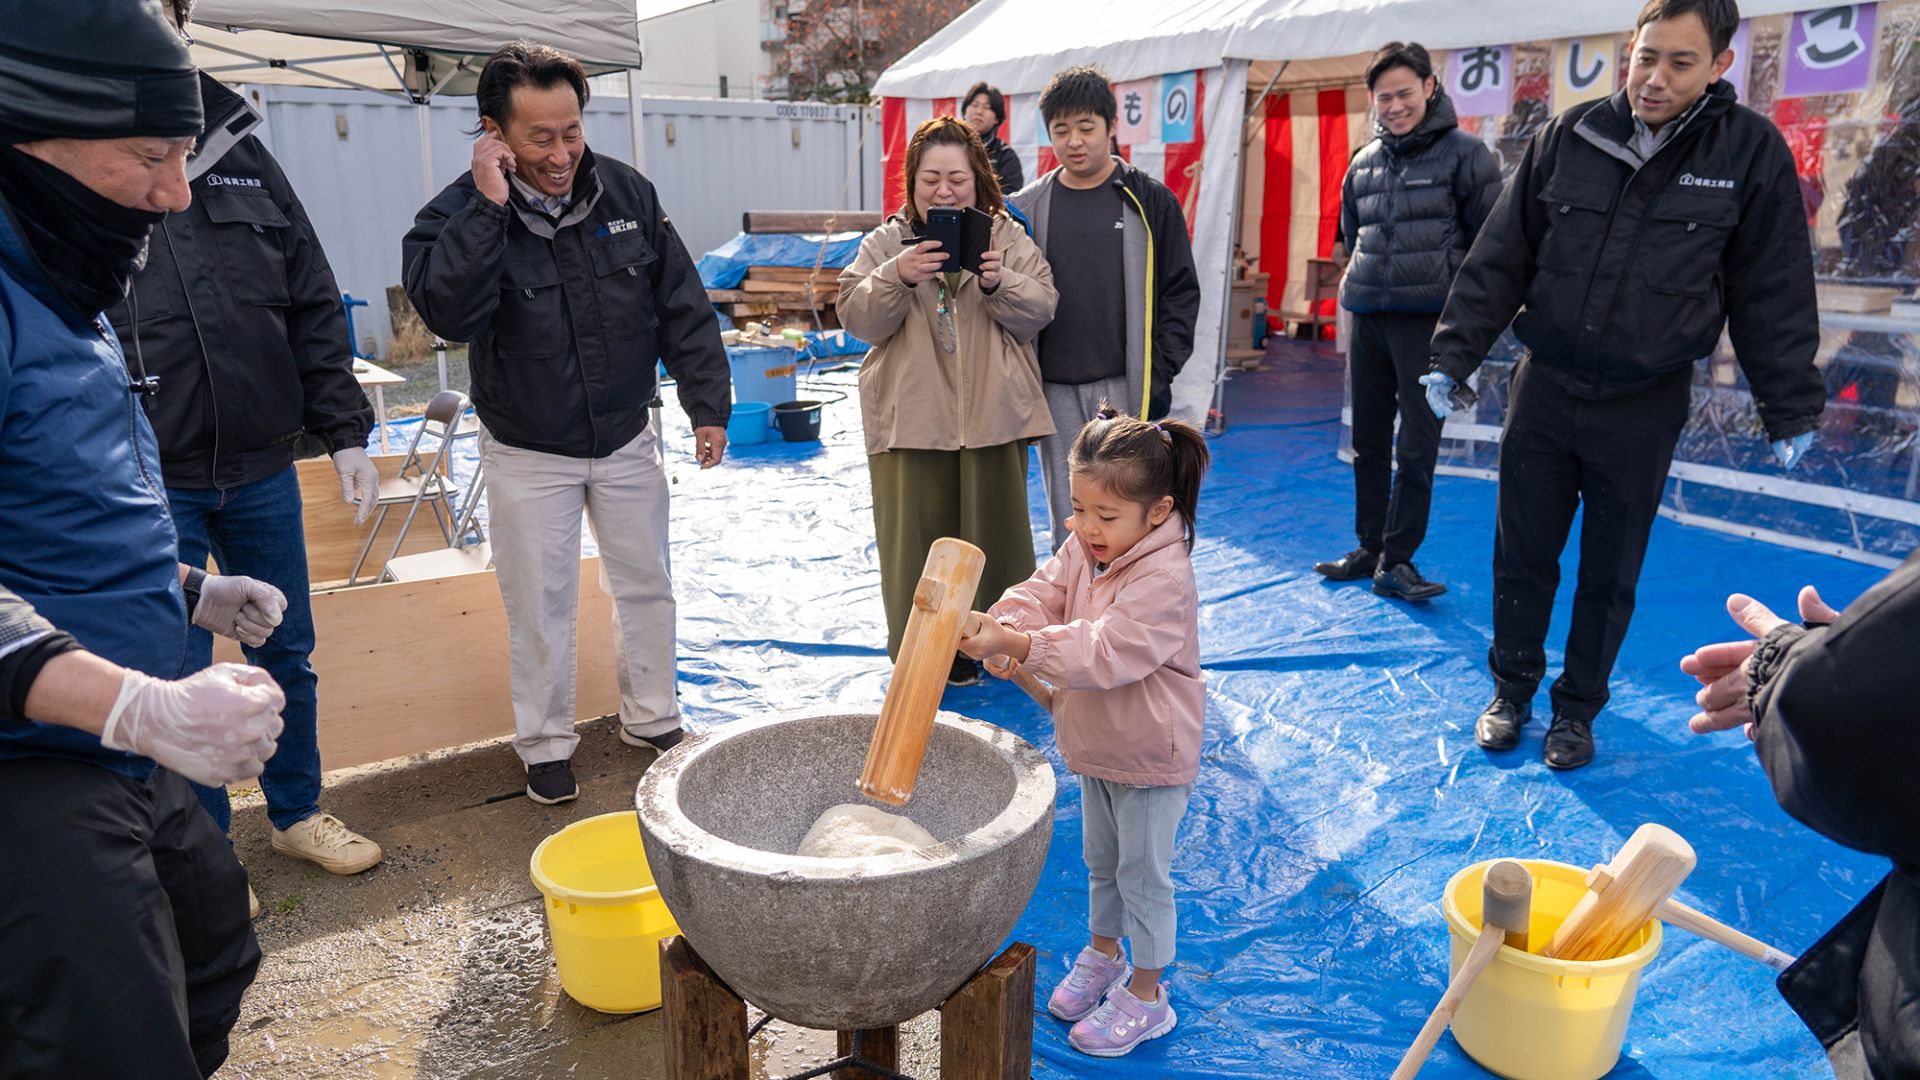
(1190, 460)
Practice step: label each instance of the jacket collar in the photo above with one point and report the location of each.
(1439, 120)
(230, 118)
(586, 194)
(1167, 533)
(1611, 121)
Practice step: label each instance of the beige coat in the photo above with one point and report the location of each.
(914, 395)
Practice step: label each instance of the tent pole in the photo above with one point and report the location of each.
(1233, 242)
(426, 179)
(636, 120)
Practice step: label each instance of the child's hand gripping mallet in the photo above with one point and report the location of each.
(1506, 906)
(1040, 692)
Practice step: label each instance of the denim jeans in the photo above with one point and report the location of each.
(255, 530)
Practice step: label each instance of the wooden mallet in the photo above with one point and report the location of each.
(1636, 886)
(1506, 905)
(941, 602)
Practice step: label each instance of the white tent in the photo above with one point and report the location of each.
(1245, 50)
(417, 47)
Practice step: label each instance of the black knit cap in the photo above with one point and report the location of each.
(94, 69)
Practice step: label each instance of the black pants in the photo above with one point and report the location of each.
(1560, 452)
(1390, 352)
(124, 939)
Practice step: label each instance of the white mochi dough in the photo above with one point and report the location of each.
(851, 829)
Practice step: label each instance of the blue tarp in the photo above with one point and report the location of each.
(1340, 786)
(726, 266)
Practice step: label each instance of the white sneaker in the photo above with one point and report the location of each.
(323, 841)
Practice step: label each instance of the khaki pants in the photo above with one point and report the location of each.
(535, 501)
(976, 495)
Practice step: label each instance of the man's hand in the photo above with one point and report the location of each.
(920, 262)
(492, 161)
(359, 481)
(1722, 668)
(1789, 451)
(990, 270)
(709, 445)
(239, 607)
(1439, 386)
(213, 727)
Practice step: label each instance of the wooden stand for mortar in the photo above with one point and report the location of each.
(986, 1026)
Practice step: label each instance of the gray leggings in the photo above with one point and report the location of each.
(1126, 837)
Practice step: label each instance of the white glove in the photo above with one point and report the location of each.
(213, 727)
(359, 481)
(238, 607)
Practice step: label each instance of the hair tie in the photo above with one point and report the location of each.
(1165, 437)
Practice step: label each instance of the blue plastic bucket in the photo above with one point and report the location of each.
(762, 374)
(749, 423)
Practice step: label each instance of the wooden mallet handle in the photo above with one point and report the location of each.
(1040, 692)
(1697, 922)
(941, 603)
(1506, 902)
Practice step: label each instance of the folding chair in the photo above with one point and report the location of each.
(419, 482)
(461, 557)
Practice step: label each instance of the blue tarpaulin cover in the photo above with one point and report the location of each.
(726, 266)
(1340, 785)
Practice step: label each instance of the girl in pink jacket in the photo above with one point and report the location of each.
(1112, 621)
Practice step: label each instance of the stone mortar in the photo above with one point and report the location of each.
(844, 943)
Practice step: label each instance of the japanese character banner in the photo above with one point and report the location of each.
(1830, 51)
(1480, 80)
(1179, 106)
(1139, 103)
(1584, 69)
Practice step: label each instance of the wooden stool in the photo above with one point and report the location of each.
(986, 1026)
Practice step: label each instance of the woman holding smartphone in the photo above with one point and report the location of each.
(950, 395)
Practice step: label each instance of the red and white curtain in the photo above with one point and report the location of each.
(1291, 205)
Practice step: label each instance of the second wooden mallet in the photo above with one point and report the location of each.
(1506, 912)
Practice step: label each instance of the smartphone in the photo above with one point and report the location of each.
(946, 225)
(976, 238)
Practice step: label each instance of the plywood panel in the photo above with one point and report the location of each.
(408, 667)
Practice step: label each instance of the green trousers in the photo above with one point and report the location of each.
(976, 495)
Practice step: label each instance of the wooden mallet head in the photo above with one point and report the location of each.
(1648, 868)
(1506, 902)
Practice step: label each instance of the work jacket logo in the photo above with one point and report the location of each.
(1690, 180)
(216, 180)
(622, 225)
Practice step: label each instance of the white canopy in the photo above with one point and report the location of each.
(419, 47)
(1018, 44)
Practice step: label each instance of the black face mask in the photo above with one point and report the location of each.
(89, 245)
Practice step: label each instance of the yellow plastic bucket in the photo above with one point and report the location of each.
(604, 915)
(1531, 1018)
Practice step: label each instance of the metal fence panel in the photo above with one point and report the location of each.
(354, 157)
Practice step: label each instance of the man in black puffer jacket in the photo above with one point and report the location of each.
(1634, 230)
(1411, 204)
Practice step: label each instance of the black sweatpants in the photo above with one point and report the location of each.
(1390, 351)
(124, 939)
(1558, 453)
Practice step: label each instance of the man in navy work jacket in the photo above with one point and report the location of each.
(124, 940)
(1636, 228)
(562, 272)
(238, 316)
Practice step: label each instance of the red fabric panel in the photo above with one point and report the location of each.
(1334, 155)
(1276, 201)
(944, 107)
(1805, 129)
(893, 153)
(1047, 160)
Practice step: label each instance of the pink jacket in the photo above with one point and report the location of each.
(1123, 653)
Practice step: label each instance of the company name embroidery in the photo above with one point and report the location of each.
(216, 180)
(1690, 180)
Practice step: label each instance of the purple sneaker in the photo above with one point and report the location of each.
(1092, 976)
(1121, 1023)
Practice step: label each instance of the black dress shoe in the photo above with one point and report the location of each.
(1499, 726)
(1569, 743)
(1354, 565)
(1403, 581)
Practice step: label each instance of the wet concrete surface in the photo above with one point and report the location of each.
(435, 963)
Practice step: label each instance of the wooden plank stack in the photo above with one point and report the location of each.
(782, 293)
